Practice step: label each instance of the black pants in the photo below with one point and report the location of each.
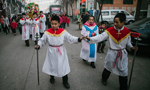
(41, 34)
(61, 26)
(103, 43)
(49, 25)
(27, 42)
(68, 24)
(6, 30)
(122, 79)
(64, 78)
(14, 30)
(64, 25)
(20, 30)
(2, 27)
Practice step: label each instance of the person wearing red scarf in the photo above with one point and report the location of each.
(35, 21)
(116, 60)
(25, 28)
(88, 51)
(56, 62)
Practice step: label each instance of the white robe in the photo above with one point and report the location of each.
(25, 28)
(56, 64)
(6, 21)
(42, 26)
(34, 29)
(30, 27)
(85, 50)
(121, 67)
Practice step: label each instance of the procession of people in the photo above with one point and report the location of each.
(56, 61)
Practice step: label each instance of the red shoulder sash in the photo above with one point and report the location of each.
(118, 37)
(56, 33)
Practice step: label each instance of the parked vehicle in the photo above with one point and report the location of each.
(142, 27)
(143, 14)
(108, 16)
(55, 9)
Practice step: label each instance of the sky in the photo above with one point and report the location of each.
(43, 4)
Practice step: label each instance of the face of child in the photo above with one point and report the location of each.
(41, 13)
(118, 24)
(55, 24)
(103, 25)
(34, 15)
(24, 16)
(91, 20)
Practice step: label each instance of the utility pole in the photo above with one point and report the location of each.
(95, 10)
(138, 8)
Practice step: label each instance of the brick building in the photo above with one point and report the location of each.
(128, 5)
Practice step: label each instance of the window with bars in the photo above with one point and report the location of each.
(107, 1)
(127, 1)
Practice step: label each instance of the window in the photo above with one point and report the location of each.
(107, 1)
(127, 1)
(125, 13)
(105, 13)
(114, 12)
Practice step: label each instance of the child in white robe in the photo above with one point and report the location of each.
(34, 22)
(42, 26)
(88, 51)
(56, 62)
(25, 28)
(116, 60)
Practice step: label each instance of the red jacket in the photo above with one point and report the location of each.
(68, 20)
(1, 20)
(64, 19)
(13, 25)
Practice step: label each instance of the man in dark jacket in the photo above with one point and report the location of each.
(85, 17)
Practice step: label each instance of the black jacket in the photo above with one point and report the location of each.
(85, 18)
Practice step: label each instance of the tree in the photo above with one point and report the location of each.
(71, 2)
(100, 4)
(138, 8)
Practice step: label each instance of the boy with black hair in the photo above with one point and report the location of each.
(25, 28)
(101, 45)
(42, 23)
(34, 21)
(56, 62)
(116, 60)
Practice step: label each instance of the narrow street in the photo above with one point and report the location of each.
(18, 70)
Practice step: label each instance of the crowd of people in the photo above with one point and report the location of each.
(116, 61)
(64, 19)
(22, 23)
(56, 63)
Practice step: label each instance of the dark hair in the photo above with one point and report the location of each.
(91, 16)
(121, 16)
(41, 11)
(34, 13)
(103, 22)
(87, 11)
(23, 14)
(56, 18)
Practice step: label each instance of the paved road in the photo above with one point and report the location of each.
(18, 67)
